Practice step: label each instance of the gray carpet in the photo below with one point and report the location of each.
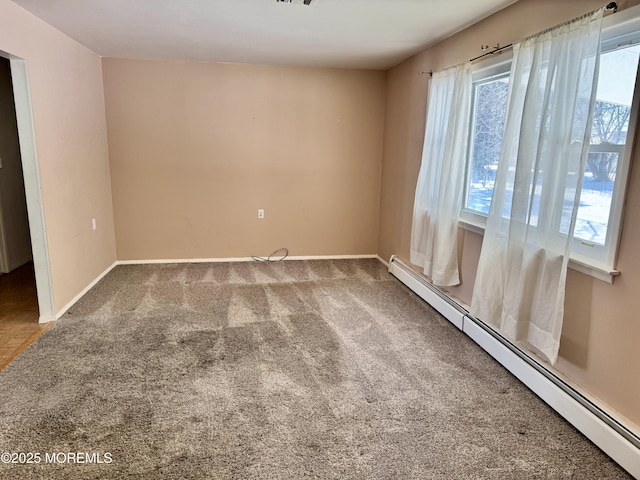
(319, 369)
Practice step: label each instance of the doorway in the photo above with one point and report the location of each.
(18, 299)
(26, 300)
(15, 237)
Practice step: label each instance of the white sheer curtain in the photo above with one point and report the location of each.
(521, 276)
(439, 190)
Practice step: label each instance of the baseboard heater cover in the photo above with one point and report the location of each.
(609, 434)
(428, 292)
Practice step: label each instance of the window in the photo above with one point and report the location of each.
(601, 201)
(599, 215)
(489, 107)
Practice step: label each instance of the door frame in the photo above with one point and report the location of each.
(33, 191)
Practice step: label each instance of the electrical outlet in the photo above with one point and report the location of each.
(260, 213)
(93, 223)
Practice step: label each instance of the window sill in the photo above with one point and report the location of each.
(584, 265)
(576, 262)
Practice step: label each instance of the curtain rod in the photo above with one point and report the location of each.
(498, 49)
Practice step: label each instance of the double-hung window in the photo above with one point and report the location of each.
(599, 216)
(488, 115)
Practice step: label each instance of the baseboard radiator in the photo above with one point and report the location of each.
(608, 433)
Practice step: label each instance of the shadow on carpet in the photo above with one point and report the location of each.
(296, 369)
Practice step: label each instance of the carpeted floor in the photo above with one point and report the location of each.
(319, 369)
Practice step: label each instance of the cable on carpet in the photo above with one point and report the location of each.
(270, 258)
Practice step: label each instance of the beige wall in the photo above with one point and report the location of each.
(65, 83)
(599, 348)
(196, 149)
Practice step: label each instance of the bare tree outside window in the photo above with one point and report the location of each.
(609, 129)
(612, 112)
(490, 111)
(610, 123)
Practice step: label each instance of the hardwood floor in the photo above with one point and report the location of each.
(18, 313)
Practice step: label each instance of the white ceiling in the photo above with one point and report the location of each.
(375, 34)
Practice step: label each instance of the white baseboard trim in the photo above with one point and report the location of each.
(241, 259)
(331, 257)
(64, 309)
(81, 294)
(183, 260)
(383, 261)
(598, 424)
(46, 318)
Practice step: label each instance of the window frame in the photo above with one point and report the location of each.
(495, 67)
(616, 33)
(606, 255)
